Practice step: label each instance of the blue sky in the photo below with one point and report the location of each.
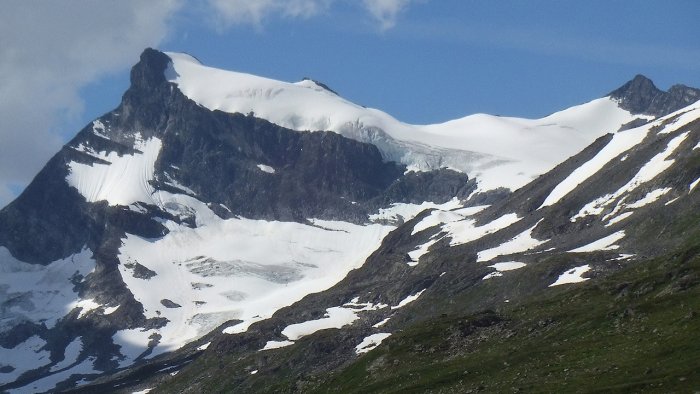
(423, 61)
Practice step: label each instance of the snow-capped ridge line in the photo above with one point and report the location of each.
(486, 147)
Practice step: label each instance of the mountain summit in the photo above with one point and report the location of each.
(220, 231)
(641, 96)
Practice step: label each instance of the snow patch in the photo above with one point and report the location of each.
(24, 357)
(502, 267)
(98, 128)
(125, 180)
(401, 212)
(132, 343)
(605, 243)
(109, 310)
(265, 168)
(464, 231)
(572, 276)
(520, 243)
(693, 184)
(649, 198)
(421, 250)
(86, 306)
(381, 323)
(435, 218)
(370, 342)
(336, 317)
(70, 355)
(658, 164)
(621, 142)
(276, 344)
(41, 294)
(50, 382)
(408, 300)
(618, 218)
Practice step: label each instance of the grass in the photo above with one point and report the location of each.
(641, 336)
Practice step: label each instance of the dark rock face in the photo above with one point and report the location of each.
(641, 96)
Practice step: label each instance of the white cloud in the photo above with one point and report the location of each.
(254, 11)
(48, 51)
(386, 11)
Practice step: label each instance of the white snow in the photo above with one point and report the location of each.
(401, 212)
(649, 198)
(507, 266)
(124, 181)
(177, 185)
(204, 346)
(70, 354)
(266, 168)
(24, 357)
(484, 146)
(276, 344)
(98, 128)
(381, 323)
(494, 274)
(86, 306)
(435, 218)
(144, 391)
(605, 243)
(421, 250)
(110, 309)
(620, 143)
(502, 267)
(254, 372)
(235, 269)
(623, 141)
(464, 231)
(655, 166)
(40, 293)
(572, 276)
(132, 343)
(408, 300)
(520, 243)
(370, 342)
(49, 382)
(618, 218)
(336, 317)
(693, 184)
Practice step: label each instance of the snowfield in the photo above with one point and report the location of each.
(235, 269)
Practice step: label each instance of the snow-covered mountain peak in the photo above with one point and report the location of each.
(486, 147)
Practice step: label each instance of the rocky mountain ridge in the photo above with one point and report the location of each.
(167, 235)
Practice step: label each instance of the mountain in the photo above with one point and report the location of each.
(222, 231)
